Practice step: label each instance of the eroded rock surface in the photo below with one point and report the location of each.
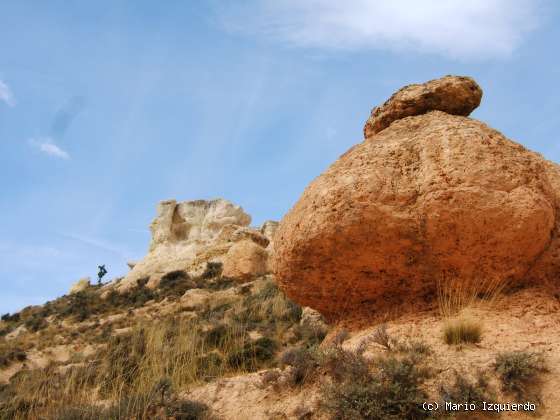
(186, 235)
(80, 285)
(454, 95)
(245, 259)
(431, 198)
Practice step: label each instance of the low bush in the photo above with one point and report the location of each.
(10, 318)
(35, 323)
(519, 372)
(303, 363)
(381, 336)
(188, 410)
(8, 355)
(466, 391)
(175, 284)
(252, 354)
(391, 391)
(213, 269)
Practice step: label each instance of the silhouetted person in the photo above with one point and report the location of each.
(102, 272)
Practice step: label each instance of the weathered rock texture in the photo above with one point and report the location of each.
(268, 229)
(431, 198)
(80, 285)
(244, 260)
(451, 94)
(186, 235)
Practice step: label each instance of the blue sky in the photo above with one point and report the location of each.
(108, 107)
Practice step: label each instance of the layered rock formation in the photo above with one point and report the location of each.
(187, 235)
(428, 197)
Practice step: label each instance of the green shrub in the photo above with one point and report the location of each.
(310, 336)
(253, 353)
(519, 372)
(35, 323)
(11, 318)
(209, 366)
(188, 410)
(138, 296)
(213, 269)
(121, 361)
(175, 284)
(342, 364)
(463, 390)
(9, 355)
(216, 335)
(391, 391)
(303, 363)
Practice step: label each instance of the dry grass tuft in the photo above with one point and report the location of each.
(463, 328)
(457, 294)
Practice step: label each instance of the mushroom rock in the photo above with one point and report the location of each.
(431, 197)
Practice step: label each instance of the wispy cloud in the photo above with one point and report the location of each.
(47, 146)
(456, 28)
(6, 94)
(102, 244)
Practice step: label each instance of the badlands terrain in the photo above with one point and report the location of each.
(417, 277)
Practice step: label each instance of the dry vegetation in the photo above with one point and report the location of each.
(149, 350)
(138, 372)
(463, 328)
(456, 298)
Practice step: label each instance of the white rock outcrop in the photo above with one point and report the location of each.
(186, 235)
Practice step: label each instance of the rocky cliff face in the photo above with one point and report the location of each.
(187, 235)
(429, 197)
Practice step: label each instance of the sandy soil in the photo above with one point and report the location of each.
(527, 320)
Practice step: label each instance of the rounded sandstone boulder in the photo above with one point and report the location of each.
(431, 198)
(245, 259)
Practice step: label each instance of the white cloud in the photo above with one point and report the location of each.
(6, 94)
(47, 146)
(456, 28)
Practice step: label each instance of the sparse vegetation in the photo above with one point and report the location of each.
(466, 391)
(9, 354)
(303, 364)
(138, 370)
(519, 372)
(458, 293)
(10, 318)
(391, 389)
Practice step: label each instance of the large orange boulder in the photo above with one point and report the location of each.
(430, 198)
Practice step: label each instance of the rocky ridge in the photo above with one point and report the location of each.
(188, 234)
